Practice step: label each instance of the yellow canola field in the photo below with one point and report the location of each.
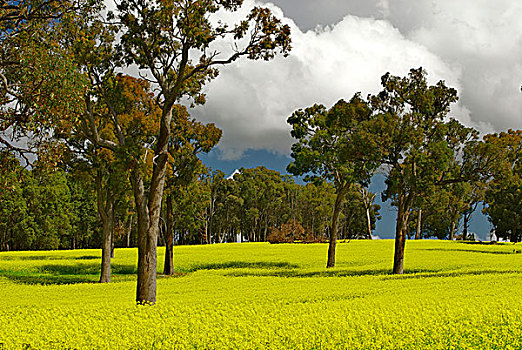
(261, 296)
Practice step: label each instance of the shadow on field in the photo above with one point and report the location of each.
(46, 257)
(64, 274)
(439, 274)
(385, 273)
(471, 251)
(326, 273)
(243, 265)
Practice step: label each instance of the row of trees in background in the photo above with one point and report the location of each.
(254, 202)
(47, 208)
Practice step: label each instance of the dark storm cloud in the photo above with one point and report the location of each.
(482, 39)
(307, 14)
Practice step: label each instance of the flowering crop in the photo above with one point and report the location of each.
(261, 296)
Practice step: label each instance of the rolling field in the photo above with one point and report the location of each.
(261, 296)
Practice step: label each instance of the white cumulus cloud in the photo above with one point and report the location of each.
(484, 39)
(251, 100)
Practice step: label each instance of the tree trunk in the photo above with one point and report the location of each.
(419, 225)
(106, 209)
(108, 228)
(169, 240)
(207, 236)
(400, 234)
(369, 222)
(211, 219)
(150, 209)
(465, 226)
(112, 242)
(452, 232)
(129, 230)
(333, 232)
(146, 287)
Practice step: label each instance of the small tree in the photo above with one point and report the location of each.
(327, 150)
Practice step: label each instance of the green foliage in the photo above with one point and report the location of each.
(84, 220)
(16, 222)
(261, 296)
(327, 147)
(504, 190)
(44, 209)
(259, 201)
(414, 139)
(48, 201)
(41, 86)
(418, 146)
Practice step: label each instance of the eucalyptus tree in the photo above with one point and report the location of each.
(188, 139)
(262, 192)
(327, 149)
(360, 214)
(504, 189)
(177, 42)
(417, 144)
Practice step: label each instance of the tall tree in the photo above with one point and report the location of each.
(118, 120)
(176, 41)
(418, 147)
(326, 150)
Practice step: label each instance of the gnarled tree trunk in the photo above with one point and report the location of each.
(146, 287)
(149, 210)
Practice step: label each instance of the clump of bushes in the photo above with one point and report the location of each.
(291, 232)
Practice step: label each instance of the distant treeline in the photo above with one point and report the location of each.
(56, 209)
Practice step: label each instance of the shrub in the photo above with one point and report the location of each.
(291, 231)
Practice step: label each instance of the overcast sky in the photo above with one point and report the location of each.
(344, 46)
